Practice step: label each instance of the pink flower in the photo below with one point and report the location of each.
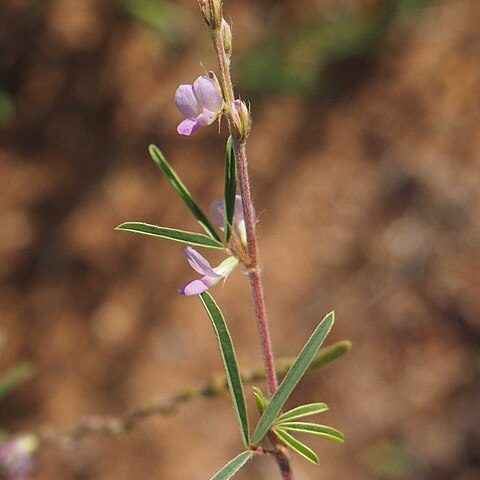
(201, 103)
(217, 209)
(16, 462)
(211, 276)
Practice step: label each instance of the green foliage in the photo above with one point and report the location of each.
(162, 15)
(230, 188)
(296, 445)
(230, 363)
(329, 354)
(14, 377)
(302, 411)
(181, 236)
(294, 375)
(6, 106)
(232, 467)
(260, 400)
(314, 429)
(389, 460)
(185, 195)
(297, 60)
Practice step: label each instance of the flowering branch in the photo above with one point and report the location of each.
(214, 387)
(239, 125)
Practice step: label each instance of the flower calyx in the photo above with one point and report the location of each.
(240, 120)
(212, 11)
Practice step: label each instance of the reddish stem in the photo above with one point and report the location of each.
(252, 249)
(253, 272)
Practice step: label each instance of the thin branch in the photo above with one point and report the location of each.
(214, 387)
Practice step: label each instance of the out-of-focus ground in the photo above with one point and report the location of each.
(365, 157)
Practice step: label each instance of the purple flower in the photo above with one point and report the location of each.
(211, 276)
(201, 103)
(217, 209)
(16, 461)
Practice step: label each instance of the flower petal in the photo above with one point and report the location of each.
(238, 214)
(194, 287)
(226, 267)
(186, 101)
(198, 286)
(199, 263)
(208, 94)
(188, 126)
(217, 209)
(206, 117)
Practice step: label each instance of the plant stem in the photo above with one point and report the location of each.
(256, 286)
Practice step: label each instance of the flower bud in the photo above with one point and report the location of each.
(227, 37)
(212, 12)
(240, 120)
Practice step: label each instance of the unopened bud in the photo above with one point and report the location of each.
(240, 120)
(212, 12)
(227, 37)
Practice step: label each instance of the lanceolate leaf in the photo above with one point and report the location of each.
(292, 377)
(296, 445)
(232, 467)
(303, 411)
(185, 195)
(230, 363)
(315, 429)
(230, 188)
(260, 399)
(182, 236)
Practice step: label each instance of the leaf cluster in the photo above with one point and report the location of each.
(272, 419)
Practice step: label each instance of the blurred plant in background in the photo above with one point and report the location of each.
(15, 453)
(14, 376)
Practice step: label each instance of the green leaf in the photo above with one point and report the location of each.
(182, 236)
(293, 376)
(230, 188)
(329, 354)
(260, 399)
(315, 429)
(230, 362)
(232, 467)
(296, 445)
(185, 195)
(303, 411)
(14, 377)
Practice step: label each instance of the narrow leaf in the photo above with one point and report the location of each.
(182, 236)
(329, 354)
(232, 467)
(14, 377)
(260, 399)
(303, 411)
(296, 445)
(292, 377)
(315, 429)
(230, 188)
(230, 362)
(185, 195)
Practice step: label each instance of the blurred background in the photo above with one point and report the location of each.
(365, 158)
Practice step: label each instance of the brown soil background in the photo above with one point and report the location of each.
(368, 204)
